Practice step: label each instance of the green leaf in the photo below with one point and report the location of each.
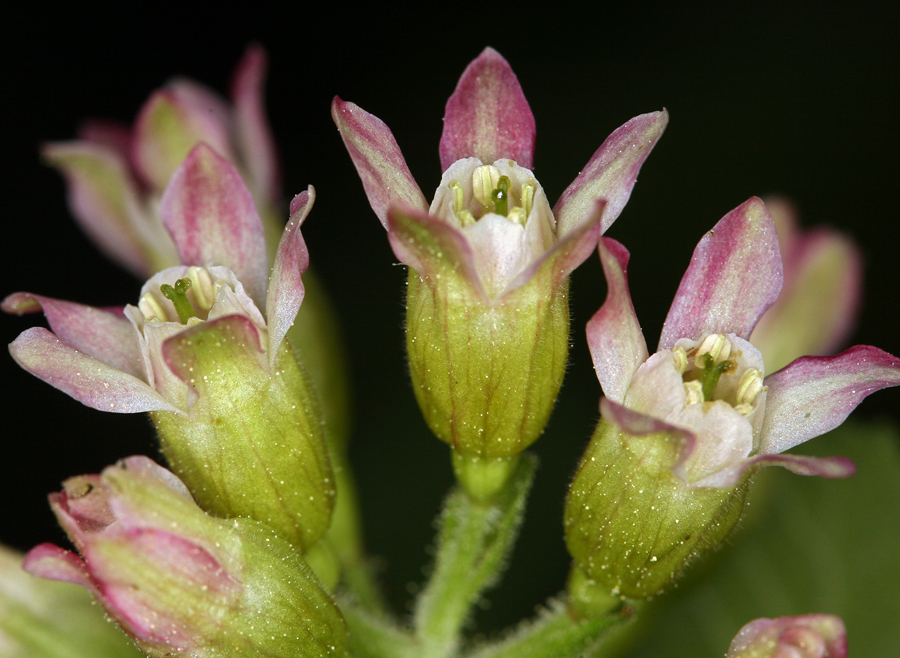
(809, 545)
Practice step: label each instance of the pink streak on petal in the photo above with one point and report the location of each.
(734, 276)
(106, 336)
(54, 563)
(813, 395)
(614, 334)
(212, 218)
(377, 158)
(568, 253)
(103, 198)
(254, 138)
(285, 285)
(611, 172)
(487, 116)
(432, 247)
(788, 636)
(91, 382)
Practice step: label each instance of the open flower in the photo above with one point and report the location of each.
(182, 582)
(116, 175)
(682, 428)
(205, 352)
(487, 306)
(805, 636)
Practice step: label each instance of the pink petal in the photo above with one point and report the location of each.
(91, 382)
(813, 395)
(112, 134)
(103, 335)
(285, 285)
(611, 172)
(172, 122)
(213, 220)
(734, 276)
(252, 133)
(614, 334)
(54, 563)
(103, 198)
(377, 158)
(432, 247)
(487, 117)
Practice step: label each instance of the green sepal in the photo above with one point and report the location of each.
(631, 524)
(251, 444)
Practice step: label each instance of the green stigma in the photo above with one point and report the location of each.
(178, 297)
(712, 371)
(500, 196)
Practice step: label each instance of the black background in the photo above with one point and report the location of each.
(773, 99)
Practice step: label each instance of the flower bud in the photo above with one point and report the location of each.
(806, 636)
(179, 581)
(631, 524)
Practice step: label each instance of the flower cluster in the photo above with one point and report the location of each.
(251, 544)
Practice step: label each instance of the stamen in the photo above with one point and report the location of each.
(749, 387)
(528, 198)
(151, 309)
(484, 181)
(457, 197)
(178, 297)
(715, 345)
(694, 392)
(517, 215)
(500, 196)
(465, 217)
(202, 285)
(680, 357)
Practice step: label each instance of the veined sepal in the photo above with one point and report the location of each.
(251, 443)
(631, 523)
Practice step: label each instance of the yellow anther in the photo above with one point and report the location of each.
(528, 198)
(517, 215)
(744, 409)
(680, 357)
(202, 285)
(749, 387)
(694, 390)
(484, 182)
(465, 217)
(717, 346)
(151, 309)
(457, 197)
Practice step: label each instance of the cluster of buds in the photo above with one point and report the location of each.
(214, 558)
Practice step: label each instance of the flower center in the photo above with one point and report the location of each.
(702, 370)
(493, 192)
(191, 297)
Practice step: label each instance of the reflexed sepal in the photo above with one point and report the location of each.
(631, 524)
(486, 374)
(251, 444)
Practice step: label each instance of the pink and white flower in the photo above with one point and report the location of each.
(707, 382)
(489, 137)
(805, 636)
(116, 174)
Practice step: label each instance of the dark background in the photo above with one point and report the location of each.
(767, 100)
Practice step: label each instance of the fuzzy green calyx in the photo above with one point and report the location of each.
(251, 444)
(630, 523)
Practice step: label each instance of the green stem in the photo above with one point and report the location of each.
(556, 634)
(376, 636)
(473, 542)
